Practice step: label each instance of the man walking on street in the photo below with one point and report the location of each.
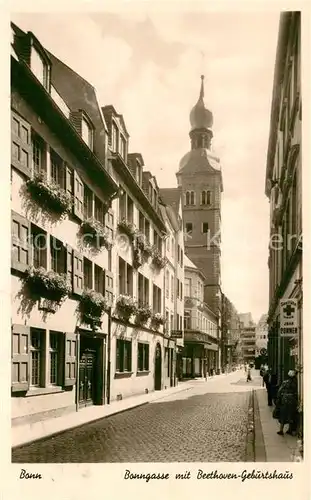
(267, 382)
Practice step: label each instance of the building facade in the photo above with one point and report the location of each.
(230, 335)
(284, 190)
(59, 142)
(248, 337)
(200, 181)
(201, 342)
(89, 248)
(262, 335)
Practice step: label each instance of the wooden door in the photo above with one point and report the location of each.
(86, 378)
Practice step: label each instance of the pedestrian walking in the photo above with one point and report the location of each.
(267, 377)
(249, 376)
(287, 404)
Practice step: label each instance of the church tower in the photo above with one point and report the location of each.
(200, 181)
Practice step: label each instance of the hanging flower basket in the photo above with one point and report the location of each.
(47, 284)
(157, 320)
(127, 228)
(92, 305)
(157, 260)
(143, 314)
(125, 307)
(137, 259)
(94, 233)
(49, 196)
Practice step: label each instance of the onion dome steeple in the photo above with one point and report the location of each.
(200, 116)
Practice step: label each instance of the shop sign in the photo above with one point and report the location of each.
(288, 317)
(176, 334)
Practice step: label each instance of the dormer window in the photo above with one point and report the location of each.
(123, 147)
(138, 174)
(114, 138)
(39, 67)
(87, 132)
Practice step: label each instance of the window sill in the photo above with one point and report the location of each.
(142, 373)
(40, 391)
(123, 374)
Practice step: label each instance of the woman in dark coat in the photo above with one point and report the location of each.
(287, 402)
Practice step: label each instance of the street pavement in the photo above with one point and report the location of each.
(207, 423)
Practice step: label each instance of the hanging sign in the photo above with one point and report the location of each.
(288, 317)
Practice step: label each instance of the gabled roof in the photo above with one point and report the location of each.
(171, 196)
(190, 265)
(110, 109)
(76, 91)
(137, 156)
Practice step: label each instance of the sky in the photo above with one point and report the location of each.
(148, 64)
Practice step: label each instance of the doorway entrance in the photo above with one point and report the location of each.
(158, 368)
(90, 372)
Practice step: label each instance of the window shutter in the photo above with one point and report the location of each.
(69, 179)
(20, 358)
(69, 267)
(77, 287)
(21, 247)
(78, 196)
(70, 368)
(76, 120)
(108, 286)
(21, 144)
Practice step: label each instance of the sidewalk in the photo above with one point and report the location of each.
(27, 433)
(269, 446)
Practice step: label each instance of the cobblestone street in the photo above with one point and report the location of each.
(207, 423)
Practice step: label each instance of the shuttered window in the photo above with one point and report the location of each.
(78, 196)
(109, 286)
(77, 273)
(70, 359)
(21, 243)
(20, 358)
(21, 144)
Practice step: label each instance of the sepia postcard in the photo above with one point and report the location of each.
(152, 288)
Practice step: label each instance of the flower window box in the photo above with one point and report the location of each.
(94, 234)
(125, 307)
(143, 315)
(127, 228)
(92, 306)
(49, 196)
(157, 260)
(156, 320)
(47, 284)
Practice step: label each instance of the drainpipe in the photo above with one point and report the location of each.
(109, 356)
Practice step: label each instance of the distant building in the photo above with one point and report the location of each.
(248, 337)
(201, 343)
(261, 334)
(230, 335)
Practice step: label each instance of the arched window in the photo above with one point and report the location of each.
(205, 198)
(190, 198)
